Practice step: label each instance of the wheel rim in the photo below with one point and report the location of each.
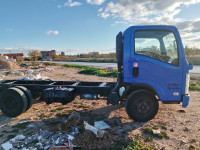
(142, 106)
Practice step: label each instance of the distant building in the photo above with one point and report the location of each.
(48, 55)
(17, 56)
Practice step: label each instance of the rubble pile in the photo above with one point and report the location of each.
(41, 139)
(31, 74)
(88, 140)
(71, 122)
(9, 65)
(69, 135)
(34, 77)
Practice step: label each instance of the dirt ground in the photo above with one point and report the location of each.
(181, 125)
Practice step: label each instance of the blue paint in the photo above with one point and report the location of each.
(166, 79)
(186, 99)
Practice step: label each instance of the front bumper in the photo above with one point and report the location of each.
(185, 101)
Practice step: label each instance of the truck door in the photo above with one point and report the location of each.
(155, 61)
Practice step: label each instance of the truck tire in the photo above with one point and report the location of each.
(28, 96)
(141, 106)
(13, 102)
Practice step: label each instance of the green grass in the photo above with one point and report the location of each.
(93, 71)
(149, 130)
(83, 106)
(57, 109)
(163, 135)
(76, 66)
(99, 72)
(194, 86)
(94, 60)
(164, 127)
(132, 144)
(137, 145)
(193, 140)
(191, 147)
(43, 115)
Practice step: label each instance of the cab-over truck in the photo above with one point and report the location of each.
(152, 67)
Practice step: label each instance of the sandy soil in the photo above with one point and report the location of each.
(181, 125)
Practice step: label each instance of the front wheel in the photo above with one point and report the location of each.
(141, 106)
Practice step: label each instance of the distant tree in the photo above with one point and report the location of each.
(35, 55)
(94, 54)
(62, 53)
(53, 55)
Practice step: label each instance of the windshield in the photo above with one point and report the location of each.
(160, 45)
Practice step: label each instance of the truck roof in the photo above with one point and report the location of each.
(153, 27)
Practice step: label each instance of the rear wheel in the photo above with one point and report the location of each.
(28, 96)
(141, 106)
(13, 102)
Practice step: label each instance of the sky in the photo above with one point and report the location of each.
(82, 26)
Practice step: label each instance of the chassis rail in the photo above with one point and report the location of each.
(102, 88)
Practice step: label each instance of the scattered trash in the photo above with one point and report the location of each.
(18, 138)
(101, 125)
(70, 137)
(72, 121)
(67, 138)
(156, 132)
(99, 133)
(34, 77)
(7, 146)
(23, 65)
(90, 127)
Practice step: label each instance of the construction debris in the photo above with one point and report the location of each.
(99, 133)
(9, 65)
(66, 137)
(18, 138)
(101, 125)
(156, 132)
(71, 122)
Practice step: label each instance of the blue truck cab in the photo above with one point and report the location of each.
(152, 67)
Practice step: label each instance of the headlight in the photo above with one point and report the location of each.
(187, 82)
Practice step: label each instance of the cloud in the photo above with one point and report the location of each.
(104, 15)
(100, 10)
(52, 32)
(70, 3)
(120, 22)
(59, 6)
(148, 12)
(95, 2)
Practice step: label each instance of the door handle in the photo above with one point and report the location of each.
(135, 71)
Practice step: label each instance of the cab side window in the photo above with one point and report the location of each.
(160, 45)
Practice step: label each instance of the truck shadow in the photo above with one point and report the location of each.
(114, 115)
